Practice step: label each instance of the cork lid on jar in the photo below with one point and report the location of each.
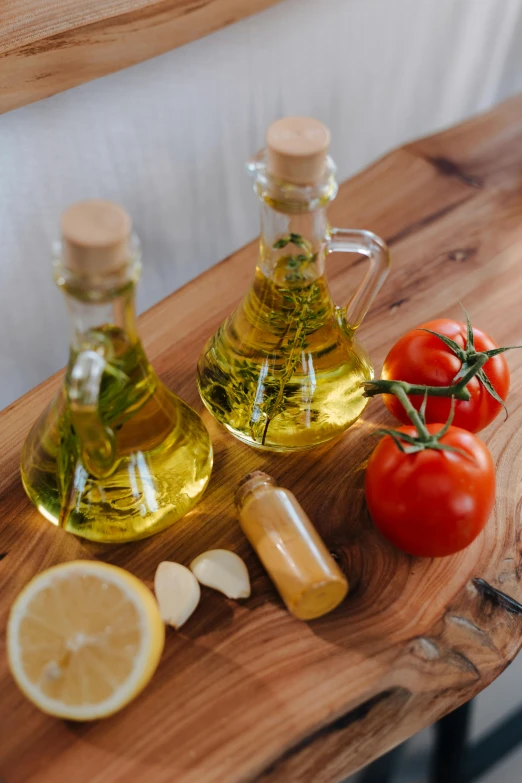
(296, 149)
(95, 237)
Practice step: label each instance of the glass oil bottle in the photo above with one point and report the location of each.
(284, 371)
(115, 456)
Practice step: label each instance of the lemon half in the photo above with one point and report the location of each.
(83, 639)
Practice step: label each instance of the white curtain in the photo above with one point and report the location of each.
(168, 138)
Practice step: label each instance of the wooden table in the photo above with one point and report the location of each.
(245, 692)
(49, 47)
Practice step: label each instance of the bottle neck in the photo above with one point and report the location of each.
(293, 245)
(101, 307)
(90, 318)
(251, 484)
(294, 224)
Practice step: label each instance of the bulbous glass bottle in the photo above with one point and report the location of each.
(284, 371)
(115, 456)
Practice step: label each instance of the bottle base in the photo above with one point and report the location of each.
(148, 490)
(118, 536)
(284, 447)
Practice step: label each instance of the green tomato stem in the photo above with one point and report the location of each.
(477, 362)
(401, 390)
(458, 390)
(372, 388)
(415, 417)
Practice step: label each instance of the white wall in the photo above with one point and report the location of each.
(168, 138)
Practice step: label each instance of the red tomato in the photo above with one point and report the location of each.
(431, 503)
(421, 358)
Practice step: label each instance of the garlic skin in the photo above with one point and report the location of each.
(224, 571)
(177, 592)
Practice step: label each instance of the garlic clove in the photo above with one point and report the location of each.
(224, 571)
(177, 592)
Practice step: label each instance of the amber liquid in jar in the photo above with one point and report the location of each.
(307, 577)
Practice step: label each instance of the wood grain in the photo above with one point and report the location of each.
(46, 48)
(244, 692)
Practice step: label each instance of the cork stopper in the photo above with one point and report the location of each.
(95, 237)
(297, 148)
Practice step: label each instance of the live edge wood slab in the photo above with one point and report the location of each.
(244, 692)
(47, 47)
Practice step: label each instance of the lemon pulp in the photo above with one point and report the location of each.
(83, 639)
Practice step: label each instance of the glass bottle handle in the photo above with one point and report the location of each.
(83, 383)
(347, 240)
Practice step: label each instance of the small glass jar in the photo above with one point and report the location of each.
(307, 577)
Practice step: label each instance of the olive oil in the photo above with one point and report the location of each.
(115, 456)
(162, 464)
(283, 372)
